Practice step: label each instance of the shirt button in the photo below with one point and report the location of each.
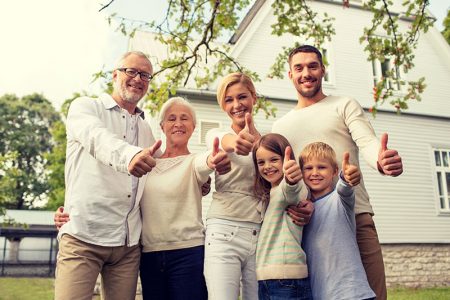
(129, 196)
(254, 232)
(123, 117)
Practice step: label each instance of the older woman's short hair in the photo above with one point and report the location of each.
(176, 100)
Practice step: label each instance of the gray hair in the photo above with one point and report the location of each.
(176, 100)
(126, 54)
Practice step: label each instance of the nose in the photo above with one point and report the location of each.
(306, 72)
(236, 103)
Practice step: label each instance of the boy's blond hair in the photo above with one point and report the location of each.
(318, 150)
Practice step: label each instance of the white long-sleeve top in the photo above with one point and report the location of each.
(172, 203)
(341, 123)
(101, 197)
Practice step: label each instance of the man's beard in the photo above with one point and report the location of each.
(126, 95)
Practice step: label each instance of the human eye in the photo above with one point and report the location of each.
(131, 71)
(260, 163)
(228, 100)
(146, 76)
(307, 168)
(243, 96)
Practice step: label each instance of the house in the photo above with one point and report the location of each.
(412, 211)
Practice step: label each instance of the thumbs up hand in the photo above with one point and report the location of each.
(246, 137)
(143, 162)
(389, 161)
(291, 169)
(351, 173)
(218, 159)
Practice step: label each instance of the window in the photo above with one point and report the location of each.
(205, 126)
(442, 165)
(380, 69)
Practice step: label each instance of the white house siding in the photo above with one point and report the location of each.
(407, 207)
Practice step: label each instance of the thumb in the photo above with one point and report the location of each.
(384, 141)
(155, 147)
(215, 146)
(61, 209)
(248, 121)
(287, 154)
(345, 161)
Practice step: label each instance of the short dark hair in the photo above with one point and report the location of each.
(305, 49)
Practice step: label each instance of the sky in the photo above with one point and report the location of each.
(53, 47)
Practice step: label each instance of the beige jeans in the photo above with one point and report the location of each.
(79, 263)
(371, 256)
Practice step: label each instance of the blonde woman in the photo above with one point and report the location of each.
(234, 219)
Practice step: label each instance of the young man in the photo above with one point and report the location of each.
(109, 147)
(341, 123)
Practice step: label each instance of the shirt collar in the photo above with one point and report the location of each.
(110, 103)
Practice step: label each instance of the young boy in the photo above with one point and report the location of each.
(334, 263)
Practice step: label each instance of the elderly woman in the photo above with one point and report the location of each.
(173, 233)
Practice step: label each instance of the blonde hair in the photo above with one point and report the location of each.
(318, 150)
(176, 100)
(232, 79)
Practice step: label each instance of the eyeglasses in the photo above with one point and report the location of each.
(133, 73)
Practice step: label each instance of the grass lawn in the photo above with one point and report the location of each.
(42, 289)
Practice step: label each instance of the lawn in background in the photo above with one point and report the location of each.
(42, 289)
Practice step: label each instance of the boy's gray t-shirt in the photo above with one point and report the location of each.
(332, 254)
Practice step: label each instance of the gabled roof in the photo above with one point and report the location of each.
(246, 21)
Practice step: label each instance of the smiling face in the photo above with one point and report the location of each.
(238, 100)
(318, 174)
(270, 165)
(128, 90)
(178, 125)
(306, 72)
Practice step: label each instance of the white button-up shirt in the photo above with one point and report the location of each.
(101, 197)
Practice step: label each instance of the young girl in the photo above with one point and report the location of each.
(281, 267)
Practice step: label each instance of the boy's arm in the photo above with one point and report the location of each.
(349, 177)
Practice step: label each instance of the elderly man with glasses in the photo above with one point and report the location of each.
(110, 149)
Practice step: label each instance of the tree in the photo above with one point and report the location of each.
(446, 31)
(25, 138)
(191, 28)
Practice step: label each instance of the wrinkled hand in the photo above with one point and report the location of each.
(291, 169)
(301, 213)
(389, 161)
(351, 173)
(246, 137)
(60, 218)
(218, 159)
(206, 187)
(143, 162)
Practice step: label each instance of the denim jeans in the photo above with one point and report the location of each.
(284, 289)
(230, 259)
(173, 274)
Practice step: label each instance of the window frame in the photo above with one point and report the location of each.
(441, 183)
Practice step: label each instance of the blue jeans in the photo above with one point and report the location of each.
(173, 274)
(284, 289)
